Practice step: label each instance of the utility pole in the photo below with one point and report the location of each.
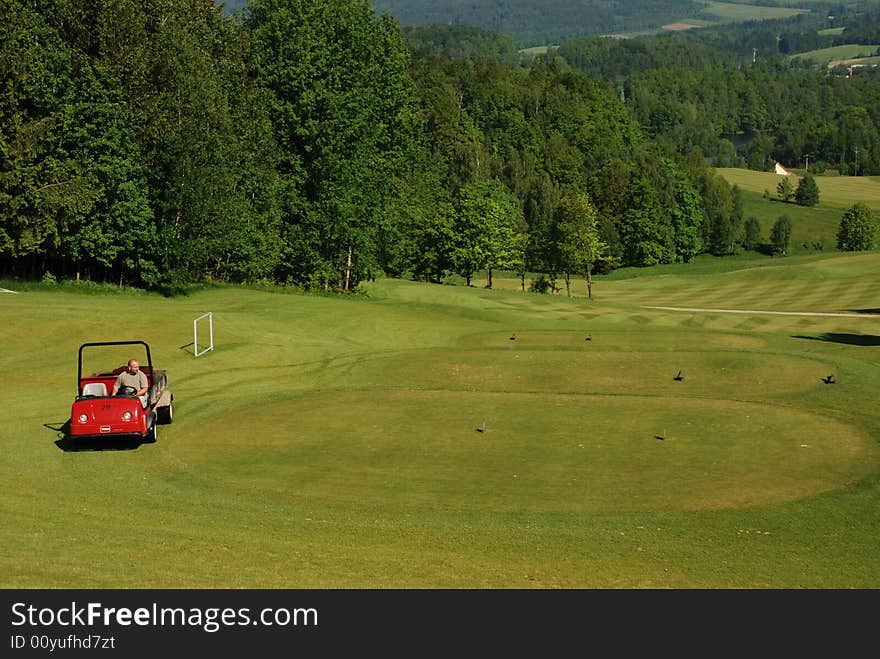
(807, 157)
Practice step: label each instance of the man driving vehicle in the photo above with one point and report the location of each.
(132, 382)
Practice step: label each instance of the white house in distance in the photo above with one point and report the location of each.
(782, 170)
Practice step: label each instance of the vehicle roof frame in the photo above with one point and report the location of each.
(109, 343)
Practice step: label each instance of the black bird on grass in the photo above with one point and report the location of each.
(829, 379)
(679, 377)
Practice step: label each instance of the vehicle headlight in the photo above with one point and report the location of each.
(83, 418)
(126, 416)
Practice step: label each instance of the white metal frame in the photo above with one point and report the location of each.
(210, 317)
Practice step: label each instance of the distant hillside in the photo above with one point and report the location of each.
(841, 54)
(549, 21)
(534, 22)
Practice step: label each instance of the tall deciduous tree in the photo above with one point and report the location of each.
(505, 225)
(579, 242)
(807, 192)
(486, 227)
(195, 153)
(39, 188)
(785, 189)
(344, 118)
(112, 235)
(645, 234)
(858, 229)
(686, 212)
(752, 233)
(780, 235)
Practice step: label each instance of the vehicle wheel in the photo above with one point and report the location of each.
(152, 433)
(164, 414)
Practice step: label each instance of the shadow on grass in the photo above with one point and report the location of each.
(866, 340)
(869, 311)
(68, 444)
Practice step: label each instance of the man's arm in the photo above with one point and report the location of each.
(143, 379)
(117, 384)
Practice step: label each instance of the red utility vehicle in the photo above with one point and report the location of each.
(97, 413)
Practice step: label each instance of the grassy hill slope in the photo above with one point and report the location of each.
(332, 442)
(816, 224)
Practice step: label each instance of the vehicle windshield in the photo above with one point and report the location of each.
(105, 359)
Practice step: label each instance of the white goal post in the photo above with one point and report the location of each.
(210, 346)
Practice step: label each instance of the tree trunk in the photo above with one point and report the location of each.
(568, 283)
(589, 281)
(348, 269)
(489, 277)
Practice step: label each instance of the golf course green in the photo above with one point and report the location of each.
(427, 436)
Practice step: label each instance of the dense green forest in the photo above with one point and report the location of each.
(462, 42)
(706, 89)
(162, 142)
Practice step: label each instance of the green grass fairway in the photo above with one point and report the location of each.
(442, 436)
